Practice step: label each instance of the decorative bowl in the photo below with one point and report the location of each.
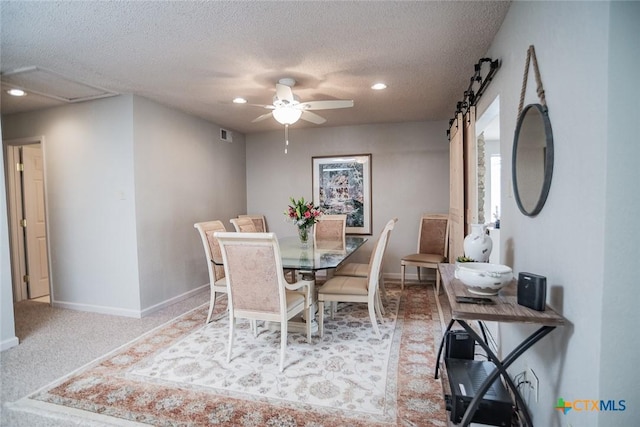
(482, 278)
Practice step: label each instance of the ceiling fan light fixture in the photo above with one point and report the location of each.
(239, 100)
(287, 115)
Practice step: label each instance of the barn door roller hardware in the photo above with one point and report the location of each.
(484, 71)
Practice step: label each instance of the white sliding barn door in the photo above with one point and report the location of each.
(456, 189)
(463, 193)
(470, 169)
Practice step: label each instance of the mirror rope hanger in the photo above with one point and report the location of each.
(531, 54)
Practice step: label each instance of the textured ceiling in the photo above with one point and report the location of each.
(198, 56)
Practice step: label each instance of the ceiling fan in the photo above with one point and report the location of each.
(287, 108)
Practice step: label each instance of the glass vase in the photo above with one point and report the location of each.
(303, 234)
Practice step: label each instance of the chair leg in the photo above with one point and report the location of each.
(402, 278)
(419, 279)
(232, 322)
(374, 321)
(212, 305)
(383, 290)
(437, 282)
(308, 323)
(378, 307)
(283, 343)
(321, 319)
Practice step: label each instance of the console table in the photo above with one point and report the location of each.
(505, 309)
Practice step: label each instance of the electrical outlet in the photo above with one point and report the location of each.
(533, 383)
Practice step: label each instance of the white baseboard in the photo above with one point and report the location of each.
(7, 344)
(171, 301)
(116, 311)
(101, 309)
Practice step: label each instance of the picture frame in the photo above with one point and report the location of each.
(342, 185)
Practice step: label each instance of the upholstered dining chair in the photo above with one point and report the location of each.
(217, 279)
(433, 243)
(329, 234)
(330, 228)
(357, 269)
(244, 225)
(258, 222)
(358, 289)
(257, 288)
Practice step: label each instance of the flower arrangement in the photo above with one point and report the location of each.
(302, 213)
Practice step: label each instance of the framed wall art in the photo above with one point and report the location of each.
(342, 185)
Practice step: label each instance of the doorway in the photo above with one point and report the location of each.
(489, 165)
(489, 190)
(27, 219)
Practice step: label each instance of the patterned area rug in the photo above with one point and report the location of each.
(177, 375)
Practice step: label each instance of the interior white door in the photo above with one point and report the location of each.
(36, 230)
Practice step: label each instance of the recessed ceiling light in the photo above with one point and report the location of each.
(16, 92)
(239, 101)
(379, 86)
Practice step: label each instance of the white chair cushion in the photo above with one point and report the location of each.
(221, 282)
(345, 285)
(353, 269)
(294, 298)
(424, 258)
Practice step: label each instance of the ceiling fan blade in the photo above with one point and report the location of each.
(284, 93)
(262, 117)
(268, 107)
(327, 105)
(312, 117)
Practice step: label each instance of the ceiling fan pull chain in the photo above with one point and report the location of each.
(286, 138)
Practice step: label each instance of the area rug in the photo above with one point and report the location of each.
(177, 375)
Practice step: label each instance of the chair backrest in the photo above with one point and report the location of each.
(258, 221)
(254, 273)
(330, 229)
(434, 234)
(375, 261)
(244, 225)
(211, 247)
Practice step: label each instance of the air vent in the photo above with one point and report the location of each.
(226, 135)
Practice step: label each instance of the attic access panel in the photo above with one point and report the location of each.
(53, 85)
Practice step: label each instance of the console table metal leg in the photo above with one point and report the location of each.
(444, 336)
(501, 368)
(483, 330)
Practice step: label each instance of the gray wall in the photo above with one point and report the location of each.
(184, 174)
(410, 176)
(88, 152)
(8, 337)
(585, 228)
(126, 179)
(620, 313)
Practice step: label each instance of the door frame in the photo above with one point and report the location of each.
(16, 239)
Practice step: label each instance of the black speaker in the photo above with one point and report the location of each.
(460, 345)
(532, 291)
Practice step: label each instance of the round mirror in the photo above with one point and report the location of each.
(532, 163)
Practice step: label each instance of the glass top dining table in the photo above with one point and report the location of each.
(316, 256)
